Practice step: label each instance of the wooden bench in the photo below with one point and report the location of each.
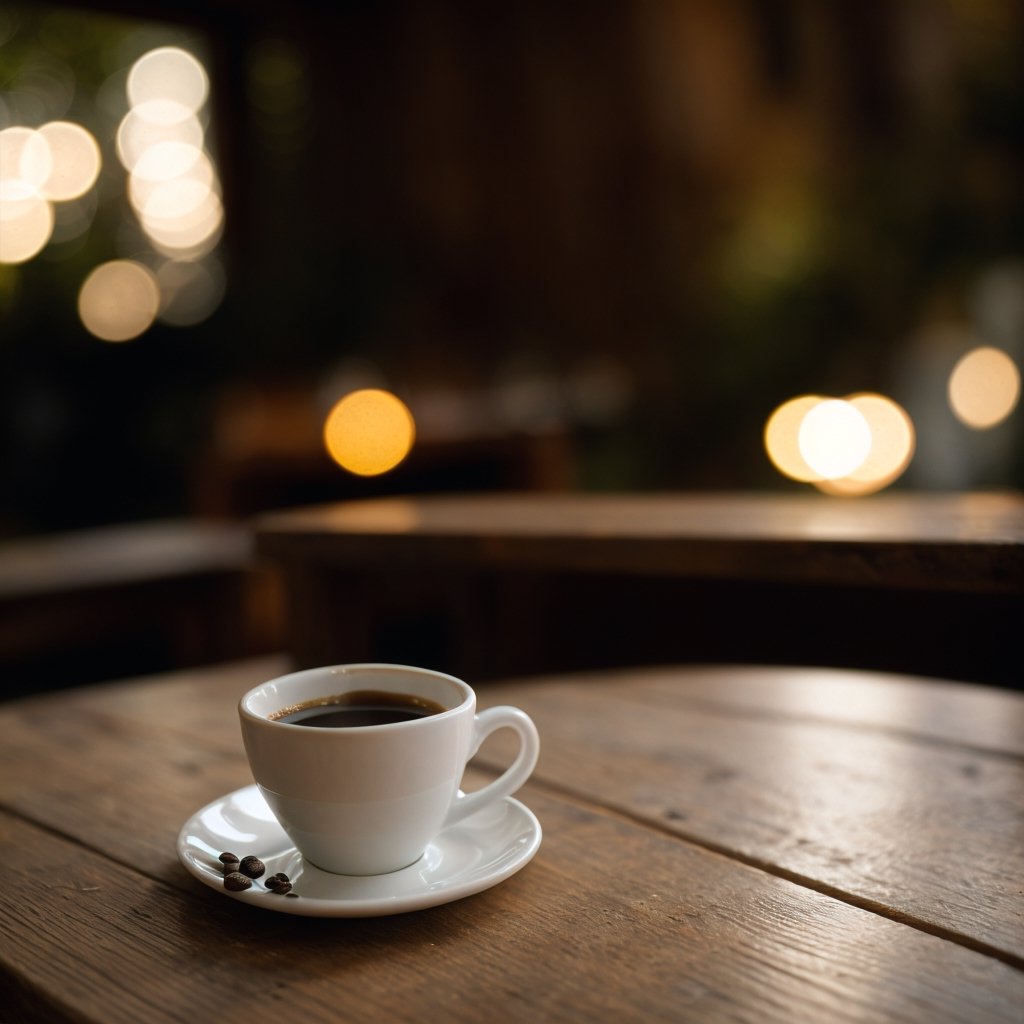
(127, 599)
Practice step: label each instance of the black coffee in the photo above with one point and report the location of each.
(358, 708)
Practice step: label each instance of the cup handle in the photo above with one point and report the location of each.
(486, 722)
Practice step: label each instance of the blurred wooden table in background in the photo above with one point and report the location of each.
(489, 585)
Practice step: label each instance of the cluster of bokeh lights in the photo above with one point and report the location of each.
(851, 446)
(55, 163)
(863, 443)
(846, 447)
(172, 187)
(172, 182)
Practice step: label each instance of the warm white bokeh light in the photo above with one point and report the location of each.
(170, 201)
(47, 194)
(201, 173)
(25, 163)
(781, 434)
(165, 160)
(173, 185)
(168, 73)
(892, 447)
(834, 438)
(163, 113)
(138, 132)
(369, 432)
(984, 387)
(175, 193)
(189, 234)
(75, 161)
(119, 300)
(25, 227)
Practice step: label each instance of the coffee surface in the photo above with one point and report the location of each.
(356, 709)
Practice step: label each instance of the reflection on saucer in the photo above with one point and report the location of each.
(477, 853)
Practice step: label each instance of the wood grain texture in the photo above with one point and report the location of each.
(619, 917)
(924, 830)
(611, 921)
(972, 543)
(84, 762)
(959, 714)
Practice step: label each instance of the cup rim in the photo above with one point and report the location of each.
(468, 697)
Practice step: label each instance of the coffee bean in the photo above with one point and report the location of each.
(252, 866)
(230, 862)
(238, 875)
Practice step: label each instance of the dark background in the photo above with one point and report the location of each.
(592, 244)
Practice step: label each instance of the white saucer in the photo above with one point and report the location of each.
(484, 849)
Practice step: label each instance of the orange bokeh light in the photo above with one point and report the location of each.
(369, 432)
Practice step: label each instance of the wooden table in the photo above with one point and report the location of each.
(136, 597)
(510, 584)
(720, 844)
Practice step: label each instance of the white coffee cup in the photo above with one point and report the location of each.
(369, 799)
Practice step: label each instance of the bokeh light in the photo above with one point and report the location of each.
(25, 227)
(173, 185)
(984, 387)
(813, 439)
(191, 235)
(781, 435)
(192, 187)
(834, 438)
(59, 162)
(75, 161)
(171, 201)
(119, 300)
(25, 162)
(369, 432)
(166, 160)
(139, 131)
(168, 73)
(892, 447)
